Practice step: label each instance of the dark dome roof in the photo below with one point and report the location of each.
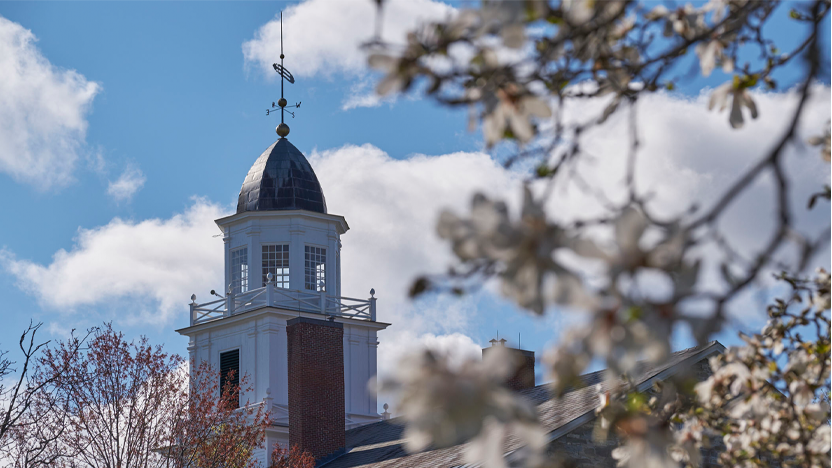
(281, 179)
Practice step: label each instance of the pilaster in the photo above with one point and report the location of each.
(331, 252)
(254, 256)
(250, 364)
(296, 256)
(227, 248)
(372, 370)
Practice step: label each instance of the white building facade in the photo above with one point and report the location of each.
(282, 261)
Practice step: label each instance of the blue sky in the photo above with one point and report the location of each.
(178, 106)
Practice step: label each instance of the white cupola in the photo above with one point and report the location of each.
(282, 227)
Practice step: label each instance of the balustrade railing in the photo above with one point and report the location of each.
(289, 299)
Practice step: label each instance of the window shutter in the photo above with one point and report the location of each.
(229, 361)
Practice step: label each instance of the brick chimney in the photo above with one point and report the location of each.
(523, 378)
(316, 386)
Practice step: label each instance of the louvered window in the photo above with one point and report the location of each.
(230, 369)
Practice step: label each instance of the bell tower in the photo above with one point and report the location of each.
(283, 275)
(282, 262)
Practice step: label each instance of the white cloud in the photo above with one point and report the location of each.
(396, 344)
(147, 269)
(366, 99)
(129, 182)
(43, 112)
(456, 346)
(324, 37)
(392, 206)
(362, 94)
(690, 154)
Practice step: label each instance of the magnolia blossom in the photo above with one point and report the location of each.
(685, 21)
(505, 111)
(649, 452)
(712, 53)
(629, 255)
(510, 18)
(740, 97)
(399, 72)
(761, 401)
(523, 249)
(762, 398)
(445, 406)
(688, 441)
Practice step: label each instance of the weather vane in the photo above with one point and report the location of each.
(285, 75)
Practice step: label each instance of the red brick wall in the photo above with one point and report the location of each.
(316, 386)
(523, 378)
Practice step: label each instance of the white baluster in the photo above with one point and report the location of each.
(372, 305)
(229, 301)
(193, 306)
(269, 290)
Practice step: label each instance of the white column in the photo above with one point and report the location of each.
(273, 362)
(249, 358)
(204, 351)
(279, 363)
(331, 247)
(227, 240)
(296, 258)
(192, 357)
(358, 379)
(372, 367)
(338, 268)
(255, 258)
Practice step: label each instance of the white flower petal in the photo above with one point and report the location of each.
(536, 107)
(719, 97)
(382, 62)
(628, 230)
(748, 102)
(707, 56)
(736, 112)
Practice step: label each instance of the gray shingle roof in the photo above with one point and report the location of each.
(380, 445)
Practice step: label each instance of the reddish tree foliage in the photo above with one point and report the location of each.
(294, 458)
(128, 405)
(213, 431)
(31, 419)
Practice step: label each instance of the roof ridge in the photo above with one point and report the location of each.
(674, 353)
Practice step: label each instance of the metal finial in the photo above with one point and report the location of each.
(386, 407)
(282, 130)
(193, 298)
(372, 292)
(269, 277)
(285, 75)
